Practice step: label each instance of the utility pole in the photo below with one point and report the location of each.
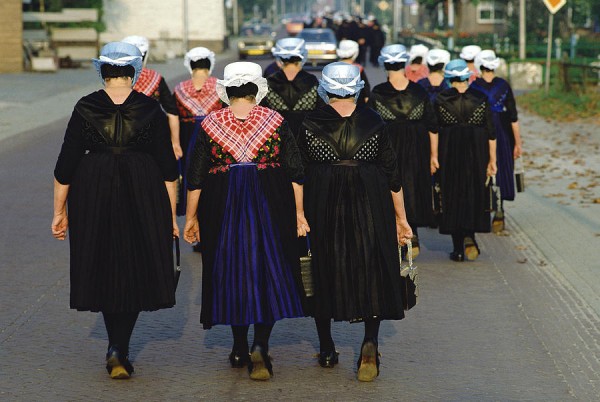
(235, 18)
(186, 29)
(522, 32)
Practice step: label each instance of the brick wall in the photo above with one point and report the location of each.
(11, 36)
(161, 21)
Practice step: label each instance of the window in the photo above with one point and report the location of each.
(490, 13)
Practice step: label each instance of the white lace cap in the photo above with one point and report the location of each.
(469, 52)
(487, 59)
(239, 73)
(437, 56)
(347, 49)
(417, 51)
(196, 54)
(141, 42)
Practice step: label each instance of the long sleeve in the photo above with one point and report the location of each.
(291, 159)
(166, 98)
(389, 162)
(489, 123)
(162, 150)
(511, 106)
(198, 162)
(72, 150)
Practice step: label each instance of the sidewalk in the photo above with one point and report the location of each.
(520, 323)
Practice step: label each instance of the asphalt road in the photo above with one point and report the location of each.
(520, 323)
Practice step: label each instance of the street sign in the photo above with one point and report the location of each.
(554, 5)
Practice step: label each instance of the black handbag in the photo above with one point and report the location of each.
(306, 271)
(493, 195)
(410, 278)
(177, 261)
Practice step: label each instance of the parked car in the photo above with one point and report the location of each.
(320, 44)
(255, 40)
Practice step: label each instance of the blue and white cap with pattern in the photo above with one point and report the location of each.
(341, 79)
(393, 54)
(457, 68)
(287, 48)
(120, 54)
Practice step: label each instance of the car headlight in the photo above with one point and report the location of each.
(241, 45)
(269, 44)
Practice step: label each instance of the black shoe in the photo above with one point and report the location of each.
(457, 256)
(259, 366)
(239, 359)
(117, 365)
(196, 248)
(368, 361)
(328, 359)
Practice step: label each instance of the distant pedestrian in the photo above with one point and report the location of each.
(412, 129)
(347, 52)
(376, 41)
(354, 204)
(435, 82)
(117, 171)
(468, 54)
(152, 84)
(245, 201)
(416, 68)
(506, 124)
(292, 91)
(195, 99)
(467, 156)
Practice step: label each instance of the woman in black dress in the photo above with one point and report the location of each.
(467, 156)
(412, 129)
(117, 171)
(292, 91)
(506, 124)
(354, 204)
(245, 201)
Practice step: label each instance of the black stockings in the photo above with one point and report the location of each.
(262, 333)
(119, 327)
(324, 332)
(458, 240)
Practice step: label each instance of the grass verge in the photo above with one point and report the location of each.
(562, 106)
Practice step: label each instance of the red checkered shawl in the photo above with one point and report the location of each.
(147, 82)
(198, 103)
(242, 139)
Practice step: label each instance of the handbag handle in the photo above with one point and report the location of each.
(308, 245)
(177, 253)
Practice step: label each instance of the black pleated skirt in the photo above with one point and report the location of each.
(120, 233)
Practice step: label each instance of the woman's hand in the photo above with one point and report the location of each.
(403, 231)
(191, 231)
(60, 224)
(434, 164)
(492, 169)
(175, 228)
(177, 151)
(301, 224)
(517, 152)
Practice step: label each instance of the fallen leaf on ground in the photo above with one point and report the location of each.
(521, 247)
(522, 260)
(542, 263)
(573, 186)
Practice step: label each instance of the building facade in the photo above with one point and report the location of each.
(166, 25)
(11, 36)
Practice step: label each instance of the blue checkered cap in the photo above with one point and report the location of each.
(341, 79)
(393, 54)
(120, 54)
(457, 68)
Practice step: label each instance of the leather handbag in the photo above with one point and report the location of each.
(410, 278)
(306, 271)
(177, 261)
(493, 195)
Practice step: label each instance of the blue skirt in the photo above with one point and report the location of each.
(504, 155)
(252, 280)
